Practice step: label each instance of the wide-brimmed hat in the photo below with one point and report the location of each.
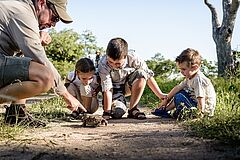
(60, 6)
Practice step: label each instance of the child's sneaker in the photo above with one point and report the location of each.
(161, 112)
(107, 115)
(77, 115)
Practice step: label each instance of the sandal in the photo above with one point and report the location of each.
(136, 114)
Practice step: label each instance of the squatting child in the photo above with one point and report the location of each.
(83, 84)
(195, 91)
(123, 73)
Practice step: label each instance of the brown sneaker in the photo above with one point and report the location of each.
(17, 114)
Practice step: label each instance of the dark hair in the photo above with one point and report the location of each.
(117, 48)
(190, 56)
(85, 65)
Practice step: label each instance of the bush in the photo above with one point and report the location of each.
(224, 125)
(64, 67)
(149, 99)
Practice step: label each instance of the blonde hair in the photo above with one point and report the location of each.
(190, 56)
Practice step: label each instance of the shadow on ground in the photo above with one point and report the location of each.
(132, 144)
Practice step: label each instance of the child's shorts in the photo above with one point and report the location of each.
(120, 91)
(183, 98)
(13, 69)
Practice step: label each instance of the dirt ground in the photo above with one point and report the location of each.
(153, 138)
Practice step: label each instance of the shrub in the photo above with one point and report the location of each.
(64, 67)
(224, 125)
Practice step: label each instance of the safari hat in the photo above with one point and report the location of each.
(60, 6)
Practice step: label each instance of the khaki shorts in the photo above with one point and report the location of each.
(120, 91)
(13, 69)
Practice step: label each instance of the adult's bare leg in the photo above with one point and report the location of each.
(40, 81)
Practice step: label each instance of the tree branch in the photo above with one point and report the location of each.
(215, 21)
(234, 9)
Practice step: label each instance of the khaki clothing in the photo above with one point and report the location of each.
(116, 77)
(78, 90)
(201, 86)
(86, 90)
(19, 32)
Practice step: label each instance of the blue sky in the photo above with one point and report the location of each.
(150, 27)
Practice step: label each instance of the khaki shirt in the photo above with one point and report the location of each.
(19, 32)
(110, 76)
(201, 86)
(85, 90)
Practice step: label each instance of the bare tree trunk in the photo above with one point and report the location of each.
(222, 33)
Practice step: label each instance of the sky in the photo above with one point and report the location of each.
(150, 26)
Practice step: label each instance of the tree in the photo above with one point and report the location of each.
(222, 33)
(65, 46)
(161, 67)
(89, 42)
(209, 68)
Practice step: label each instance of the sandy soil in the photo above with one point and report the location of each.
(153, 138)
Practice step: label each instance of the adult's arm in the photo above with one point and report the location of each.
(23, 28)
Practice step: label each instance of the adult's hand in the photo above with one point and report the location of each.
(45, 38)
(72, 103)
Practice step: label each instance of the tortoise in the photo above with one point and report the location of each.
(90, 120)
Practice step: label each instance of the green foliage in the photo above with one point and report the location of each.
(64, 67)
(65, 46)
(48, 110)
(89, 42)
(228, 91)
(224, 128)
(9, 132)
(225, 123)
(68, 46)
(51, 109)
(149, 99)
(234, 69)
(188, 113)
(166, 68)
(209, 68)
(161, 67)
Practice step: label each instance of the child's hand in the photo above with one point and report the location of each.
(164, 96)
(163, 104)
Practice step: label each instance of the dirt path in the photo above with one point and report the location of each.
(153, 138)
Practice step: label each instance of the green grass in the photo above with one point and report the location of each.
(223, 126)
(53, 109)
(9, 132)
(149, 99)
